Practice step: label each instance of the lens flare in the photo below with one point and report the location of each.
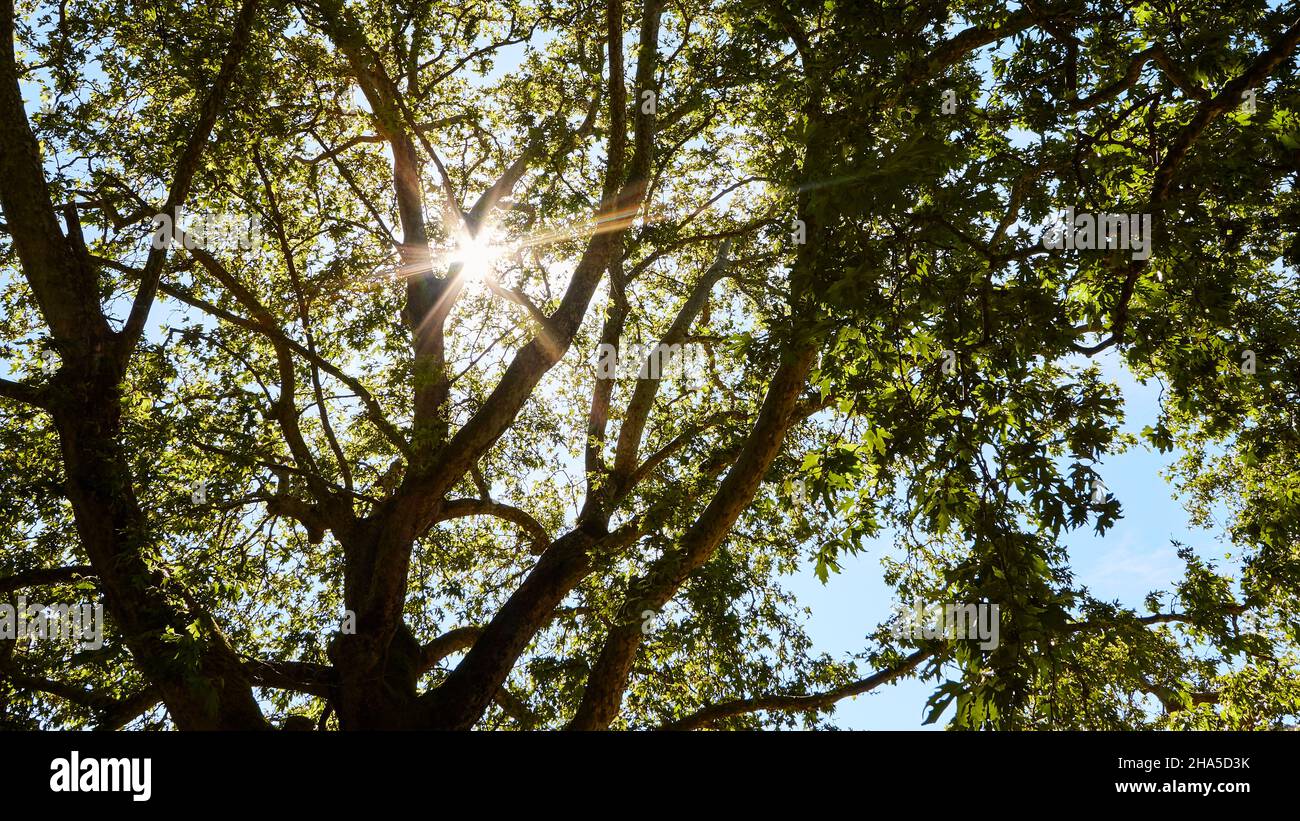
(476, 255)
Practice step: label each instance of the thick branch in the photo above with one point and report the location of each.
(49, 575)
(298, 676)
(21, 392)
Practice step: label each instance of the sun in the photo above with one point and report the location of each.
(476, 255)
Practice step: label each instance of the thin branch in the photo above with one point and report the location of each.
(808, 703)
(459, 508)
(186, 167)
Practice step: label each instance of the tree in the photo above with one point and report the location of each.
(306, 302)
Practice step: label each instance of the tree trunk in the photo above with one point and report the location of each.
(203, 684)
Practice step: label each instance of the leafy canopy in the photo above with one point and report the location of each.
(343, 453)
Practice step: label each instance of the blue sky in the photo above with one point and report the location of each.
(1135, 557)
(1132, 559)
